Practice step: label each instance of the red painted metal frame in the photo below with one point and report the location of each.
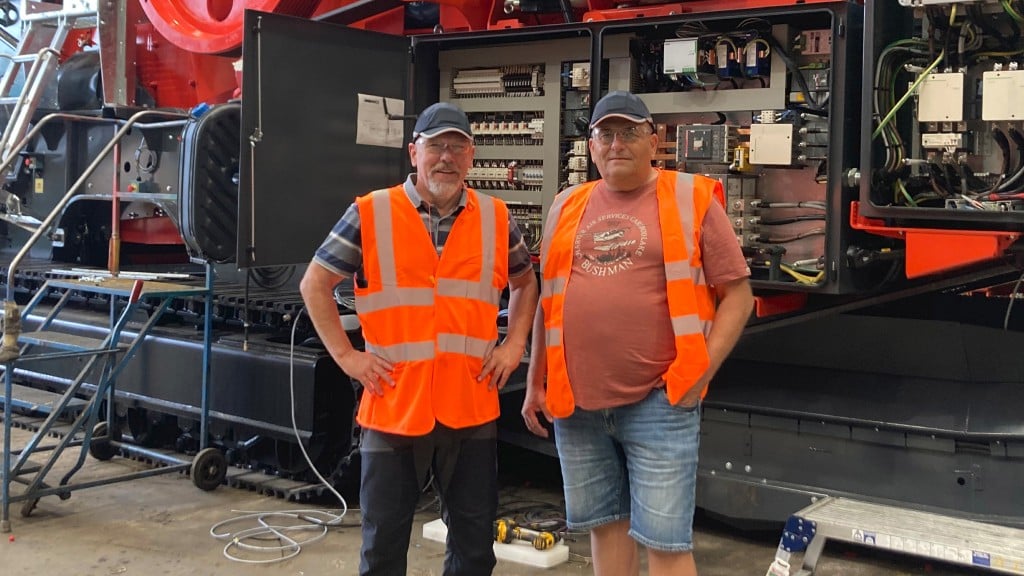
(930, 250)
(776, 304)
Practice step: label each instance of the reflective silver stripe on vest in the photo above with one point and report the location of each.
(687, 324)
(382, 222)
(679, 270)
(553, 337)
(461, 344)
(467, 289)
(684, 202)
(407, 352)
(552, 221)
(549, 288)
(488, 234)
(391, 296)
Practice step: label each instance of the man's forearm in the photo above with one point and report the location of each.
(317, 289)
(730, 319)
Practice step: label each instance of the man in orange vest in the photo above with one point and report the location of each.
(644, 291)
(430, 259)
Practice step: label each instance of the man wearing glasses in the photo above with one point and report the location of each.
(644, 291)
(430, 258)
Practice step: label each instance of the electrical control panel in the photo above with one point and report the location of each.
(529, 106)
(942, 135)
(750, 98)
(753, 102)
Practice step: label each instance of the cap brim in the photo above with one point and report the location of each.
(630, 117)
(443, 130)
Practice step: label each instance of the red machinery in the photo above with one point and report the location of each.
(848, 192)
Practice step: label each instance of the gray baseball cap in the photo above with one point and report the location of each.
(440, 118)
(621, 104)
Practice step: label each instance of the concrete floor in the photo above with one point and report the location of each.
(161, 526)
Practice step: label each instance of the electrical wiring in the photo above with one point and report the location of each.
(798, 77)
(275, 532)
(1013, 298)
(903, 190)
(1008, 8)
(802, 278)
(910, 92)
(791, 220)
(890, 60)
(799, 276)
(974, 12)
(1004, 147)
(1014, 180)
(814, 264)
(812, 204)
(792, 238)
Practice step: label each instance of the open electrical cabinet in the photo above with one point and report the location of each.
(776, 103)
(776, 126)
(942, 152)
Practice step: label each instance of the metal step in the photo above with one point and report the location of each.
(123, 287)
(65, 341)
(954, 540)
(29, 467)
(25, 398)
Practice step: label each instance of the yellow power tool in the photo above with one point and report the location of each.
(506, 530)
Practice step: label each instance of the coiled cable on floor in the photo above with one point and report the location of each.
(276, 532)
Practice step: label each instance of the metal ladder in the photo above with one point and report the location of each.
(979, 545)
(105, 358)
(35, 59)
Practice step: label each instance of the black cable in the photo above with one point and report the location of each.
(982, 21)
(797, 74)
(1013, 298)
(791, 220)
(1004, 147)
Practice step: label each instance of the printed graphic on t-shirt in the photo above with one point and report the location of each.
(610, 244)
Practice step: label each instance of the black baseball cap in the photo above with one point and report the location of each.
(621, 104)
(440, 118)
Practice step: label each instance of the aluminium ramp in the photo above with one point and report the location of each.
(985, 547)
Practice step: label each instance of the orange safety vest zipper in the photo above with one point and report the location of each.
(433, 317)
(683, 199)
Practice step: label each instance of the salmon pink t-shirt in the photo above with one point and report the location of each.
(617, 331)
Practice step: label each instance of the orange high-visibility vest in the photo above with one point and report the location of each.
(683, 199)
(434, 318)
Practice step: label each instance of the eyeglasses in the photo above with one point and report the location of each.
(627, 135)
(438, 148)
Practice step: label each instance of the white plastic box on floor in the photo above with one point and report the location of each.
(516, 551)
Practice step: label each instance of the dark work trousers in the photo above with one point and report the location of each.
(394, 468)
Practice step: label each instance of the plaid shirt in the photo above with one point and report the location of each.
(342, 251)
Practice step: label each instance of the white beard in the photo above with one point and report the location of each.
(442, 189)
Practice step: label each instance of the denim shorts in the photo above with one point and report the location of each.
(637, 461)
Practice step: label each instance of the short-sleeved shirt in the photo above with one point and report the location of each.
(617, 329)
(342, 251)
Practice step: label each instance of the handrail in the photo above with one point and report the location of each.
(59, 207)
(12, 317)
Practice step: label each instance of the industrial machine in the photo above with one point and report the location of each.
(872, 157)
